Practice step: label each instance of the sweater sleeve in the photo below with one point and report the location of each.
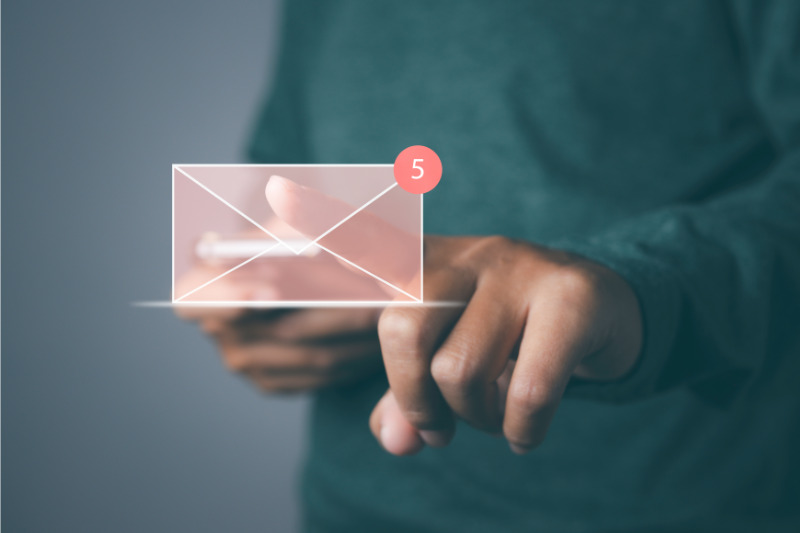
(719, 282)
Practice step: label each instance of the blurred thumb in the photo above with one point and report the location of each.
(365, 239)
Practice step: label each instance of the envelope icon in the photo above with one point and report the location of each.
(294, 235)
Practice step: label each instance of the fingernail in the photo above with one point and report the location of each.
(384, 435)
(274, 181)
(519, 450)
(278, 184)
(389, 440)
(436, 439)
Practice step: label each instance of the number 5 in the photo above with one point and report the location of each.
(421, 170)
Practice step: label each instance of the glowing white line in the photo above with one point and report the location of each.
(276, 165)
(173, 232)
(421, 251)
(298, 304)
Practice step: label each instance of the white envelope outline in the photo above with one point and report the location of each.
(278, 242)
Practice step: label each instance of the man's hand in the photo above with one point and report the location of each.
(534, 318)
(286, 350)
(295, 351)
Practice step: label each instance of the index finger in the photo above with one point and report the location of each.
(409, 337)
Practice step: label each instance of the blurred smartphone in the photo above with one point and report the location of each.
(214, 248)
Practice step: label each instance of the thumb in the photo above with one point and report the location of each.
(391, 428)
(365, 239)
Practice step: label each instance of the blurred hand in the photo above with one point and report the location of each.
(300, 350)
(281, 350)
(294, 350)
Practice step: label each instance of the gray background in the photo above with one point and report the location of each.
(118, 418)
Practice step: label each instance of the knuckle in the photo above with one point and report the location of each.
(493, 246)
(212, 327)
(285, 333)
(288, 329)
(208, 327)
(496, 242)
(323, 361)
(400, 325)
(532, 397)
(502, 257)
(421, 419)
(575, 283)
(235, 359)
(451, 370)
